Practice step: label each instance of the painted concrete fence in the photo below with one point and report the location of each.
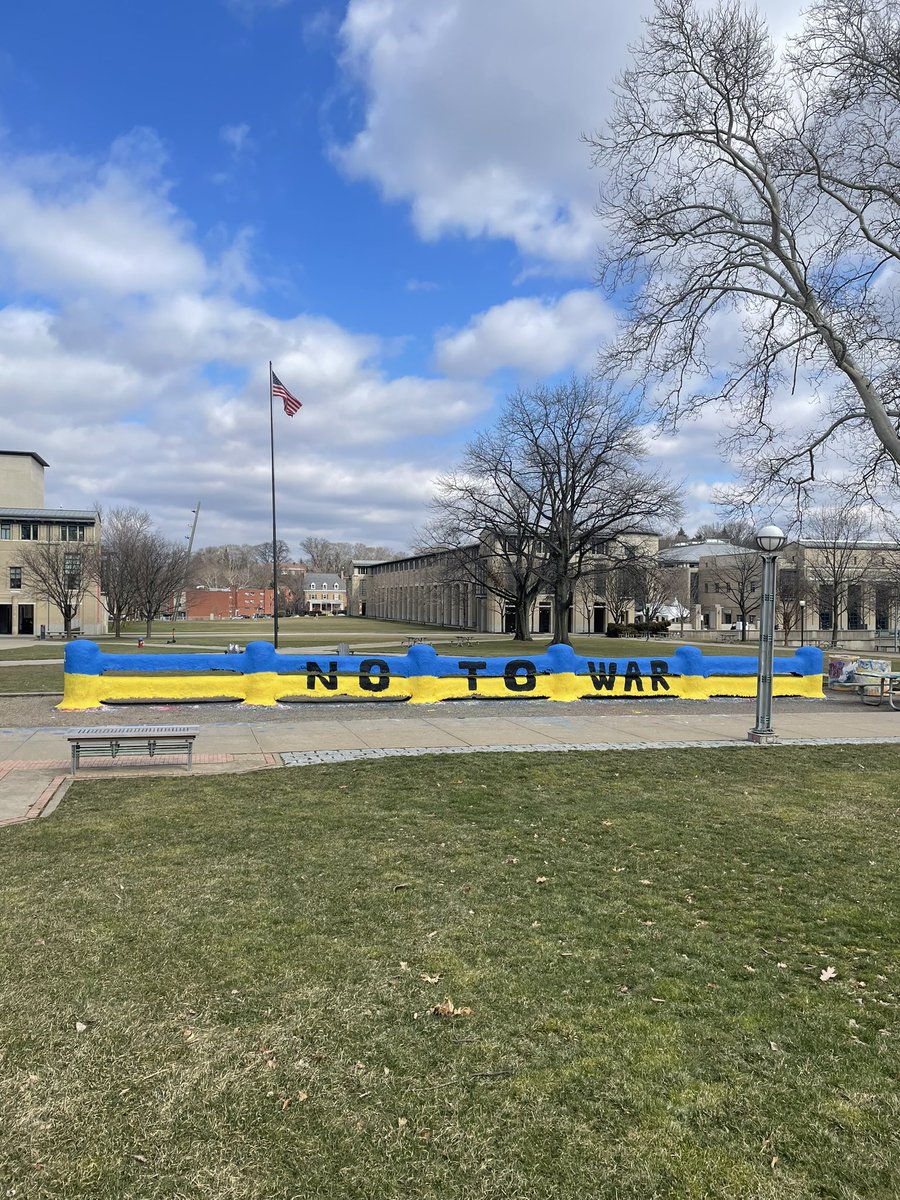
(260, 675)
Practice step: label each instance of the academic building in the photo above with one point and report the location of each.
(24, 521)
(433, 588)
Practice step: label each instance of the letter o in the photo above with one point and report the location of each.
(374, 683)
(519, 675)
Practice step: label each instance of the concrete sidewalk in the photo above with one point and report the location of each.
(34, 763)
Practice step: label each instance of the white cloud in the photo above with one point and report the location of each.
(474, 113)
(68, 225)
(540, 337)
(236, 136)
(142, 377)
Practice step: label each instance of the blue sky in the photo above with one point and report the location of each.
(389, 198)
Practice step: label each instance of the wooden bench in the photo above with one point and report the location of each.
(117, 741)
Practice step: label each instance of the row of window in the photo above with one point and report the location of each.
(28, 531)
(71, 567)
(717, 587)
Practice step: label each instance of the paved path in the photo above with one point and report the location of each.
(34, 762)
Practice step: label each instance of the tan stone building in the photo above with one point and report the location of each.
(853, 588)
(431, 589)
(25, 521)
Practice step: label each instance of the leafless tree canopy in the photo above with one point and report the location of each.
(837, 562)
(558, 478)
(752, 206)
(336, 558)
(124, 530)
(160, 569)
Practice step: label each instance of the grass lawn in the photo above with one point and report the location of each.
(32, 679)
(241, 987)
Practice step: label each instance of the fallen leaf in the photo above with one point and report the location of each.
(646, 882)
(511, 859)
(285, 1102)
(402, 1122)
(301, 1096)
(188, 1035)
(447, 1008)
(398, 887)
(775, 1046)
(782, 965)
(140, 1157)
(431, 978)
(774, 1163)
(404, 966)
(80, 1027)
(747, 967)
(828, 973)
(541, 879)
(657, 1000)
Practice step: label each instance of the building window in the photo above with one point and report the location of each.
(71, 533)
(29, 531)
(72, 570)
(717, 588)
(15, 577)
(5, 531)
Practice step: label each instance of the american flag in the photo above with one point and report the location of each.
(291, 403)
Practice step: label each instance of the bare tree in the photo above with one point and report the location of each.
(487, 514)
(738, 578)
(227, 566)
(60, 572)
(835, 562)
(585, 445)
(558, 477)
(743, 189)
(160, 570)
(337, 558)
(124, 530)
(791, 592)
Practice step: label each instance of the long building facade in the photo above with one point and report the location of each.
(431, 589)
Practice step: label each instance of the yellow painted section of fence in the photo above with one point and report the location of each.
(267, 688)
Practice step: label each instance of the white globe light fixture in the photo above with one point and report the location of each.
(770, 540)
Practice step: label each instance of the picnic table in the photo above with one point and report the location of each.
(463, 640)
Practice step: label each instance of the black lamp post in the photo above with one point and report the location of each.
(802, 622)
(770, 540)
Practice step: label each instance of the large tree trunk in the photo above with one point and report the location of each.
(523, 621)
(149, 628)
(117, 624)
(561, 597)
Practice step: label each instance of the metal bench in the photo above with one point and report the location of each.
(117, 741)
(463, 640)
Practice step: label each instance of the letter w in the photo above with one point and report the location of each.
(601, 678)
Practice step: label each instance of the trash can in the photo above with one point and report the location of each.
(140, 643)
(43, 633)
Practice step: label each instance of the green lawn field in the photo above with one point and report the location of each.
(595, 976)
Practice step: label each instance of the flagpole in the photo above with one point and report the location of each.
(274, 533)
